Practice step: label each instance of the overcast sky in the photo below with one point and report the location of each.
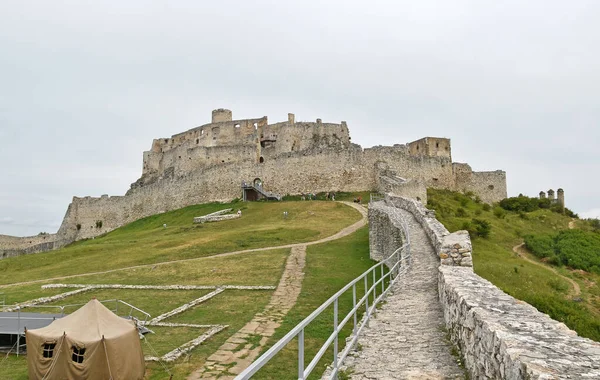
(86, 85)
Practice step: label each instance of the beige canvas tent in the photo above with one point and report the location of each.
(92, 343)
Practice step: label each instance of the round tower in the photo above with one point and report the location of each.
(560, 198)
(542, 195)
(551, 194)
(221, 115)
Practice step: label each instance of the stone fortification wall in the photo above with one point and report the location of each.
(389, 182)
(385, 231)
(499, 337)
(453, 249)
(14, 246)
(489, 186)
(209, 163)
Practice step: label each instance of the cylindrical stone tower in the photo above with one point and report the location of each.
(551, 194)
(220, 115)
(542, 195)
(560, 198)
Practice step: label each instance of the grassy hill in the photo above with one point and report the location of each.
(552, 289)
(146, 253)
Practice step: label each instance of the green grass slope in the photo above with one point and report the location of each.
(146, 242)
(494, 259)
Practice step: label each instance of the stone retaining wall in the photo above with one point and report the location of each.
(453, 249)
(217, 216)
(499, 337)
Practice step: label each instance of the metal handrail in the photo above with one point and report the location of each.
(398, 263)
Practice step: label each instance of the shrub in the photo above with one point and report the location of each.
(575, 248)
(482, 227)
(478, 212)
(477, 199)
(499, 213)
(461, 212)
(464, 202)
(520, 203)
(486, 207)
(523, 215)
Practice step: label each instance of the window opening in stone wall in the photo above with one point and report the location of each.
(261, 160)
(417, 147)
(237, 126)
(78, 353)
(255, 126)
(437, 145)
(48, 350)
(491, 187)
(197, 141)
(166, 140)
(202, 131)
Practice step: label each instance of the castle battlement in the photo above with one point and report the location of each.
(208, 163)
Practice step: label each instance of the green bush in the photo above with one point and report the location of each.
(486, 207)
(482, 227)
(577, 249)
(499, 213)
(461, 212)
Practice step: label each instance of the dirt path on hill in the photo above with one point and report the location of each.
(344, 232)
(243, 347)
(572, 224)
(522, 252)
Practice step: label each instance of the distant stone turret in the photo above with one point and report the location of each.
(551, 195)
(221, 115)
(542, 195)
(560, 198)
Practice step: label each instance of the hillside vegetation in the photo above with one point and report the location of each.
(496, 232)
(146, 253)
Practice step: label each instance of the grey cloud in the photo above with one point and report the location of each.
(87, 85)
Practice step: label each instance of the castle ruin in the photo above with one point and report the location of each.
(210, 162)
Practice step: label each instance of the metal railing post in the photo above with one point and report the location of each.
(301, 355)
(18, 329)
(382, 281)
(374, 294)
(335, 340)
(367, 300)
(354, 307)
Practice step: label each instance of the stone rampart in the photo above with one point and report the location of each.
(209, 163)
(499, 337)
(14, 246)
(453, 249)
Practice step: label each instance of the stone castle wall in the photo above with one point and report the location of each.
(499, 337)
(209, 163)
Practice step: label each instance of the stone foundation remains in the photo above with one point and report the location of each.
(499, 337)
(209, 163)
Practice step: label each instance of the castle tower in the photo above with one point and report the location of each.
(560, 198)
(542, 195)
(551, 195)
(220, 115)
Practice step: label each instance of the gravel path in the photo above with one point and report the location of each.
(407, 339)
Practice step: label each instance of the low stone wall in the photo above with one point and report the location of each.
(385, 231)
(504, 338)
(499, 336)
(453, 249)
(217, 216)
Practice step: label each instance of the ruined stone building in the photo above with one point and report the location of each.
(210, 162)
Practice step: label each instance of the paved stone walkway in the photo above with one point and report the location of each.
(406, 339)
(243, 347)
